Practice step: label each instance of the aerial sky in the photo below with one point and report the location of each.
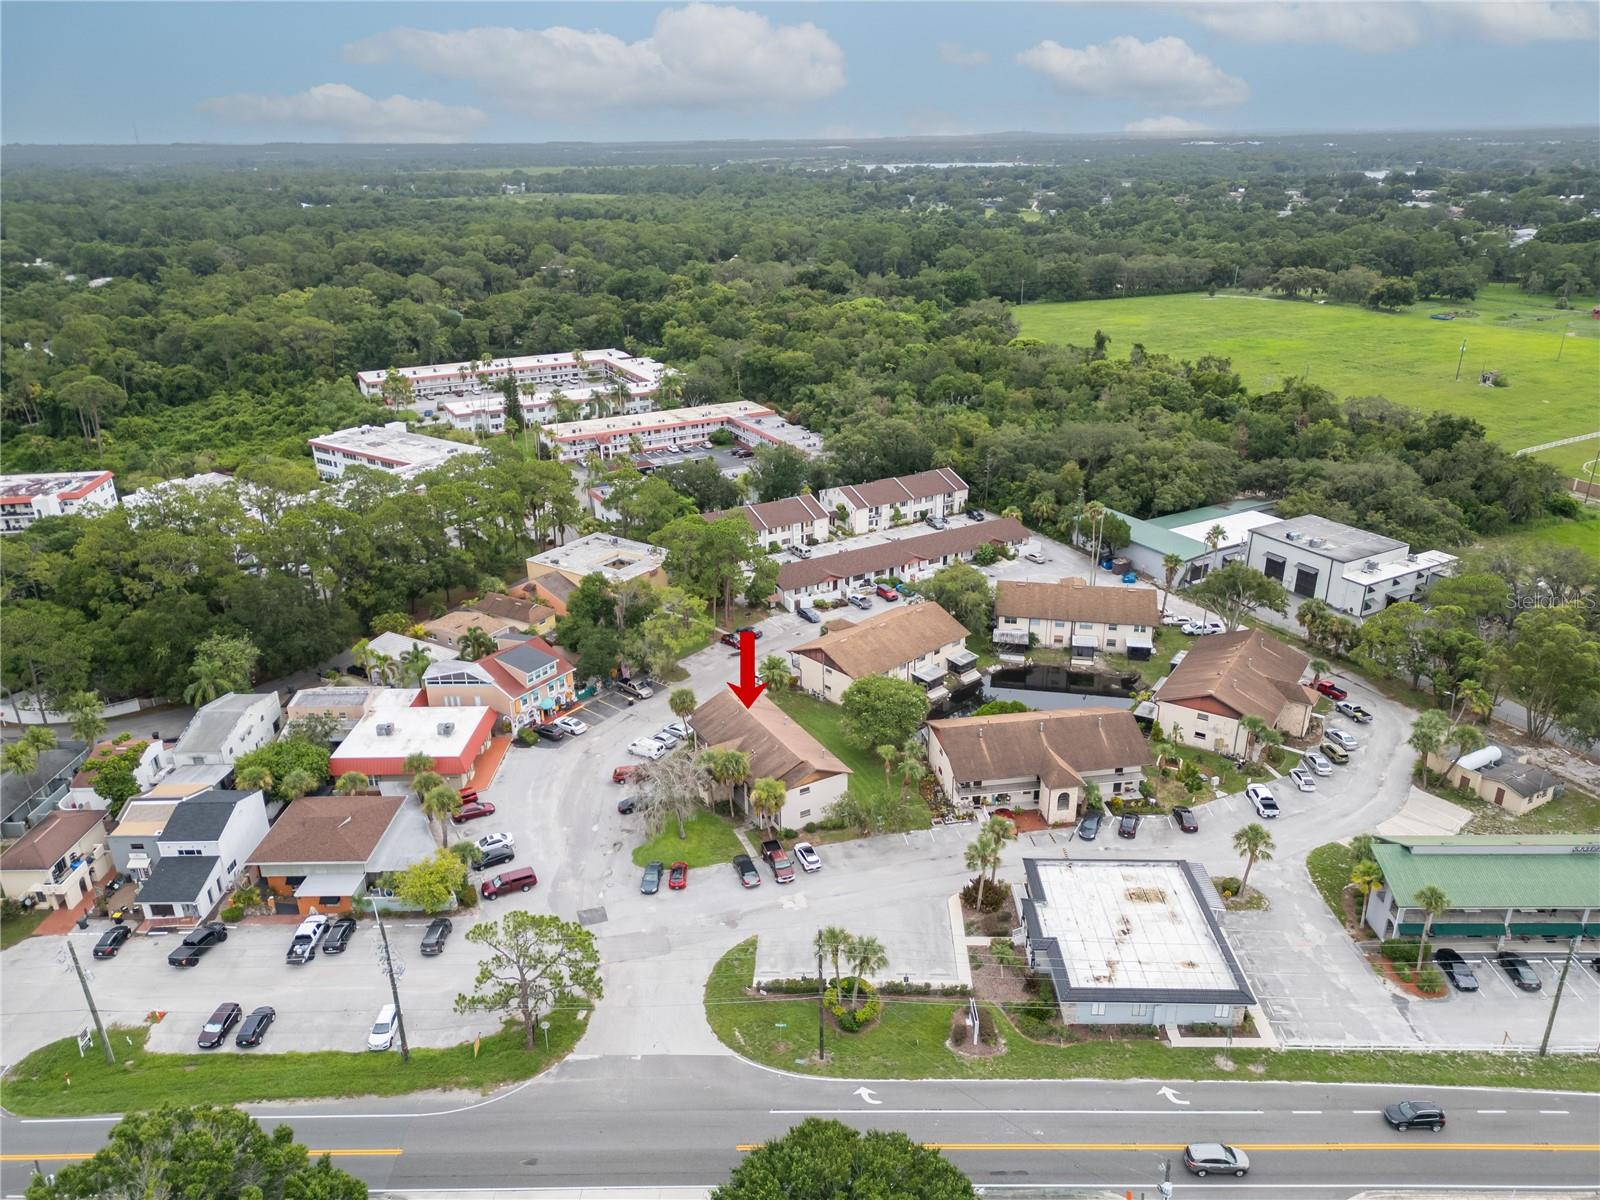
(445, 72)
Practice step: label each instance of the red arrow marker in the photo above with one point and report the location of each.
(747, 689)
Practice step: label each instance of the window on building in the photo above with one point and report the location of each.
(1141, 1010)
(233, 865)
(329, 901)
(1222, 1010)
(1097, 1010)
(1199, 735)
(188, 853)
(1110, 626)
(135, 845)
(803, 791)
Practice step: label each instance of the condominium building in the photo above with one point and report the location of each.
(625, 434)
(26, 498)
(390, 447)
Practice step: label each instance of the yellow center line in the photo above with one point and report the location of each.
(1260, 1147)
(75, 1155)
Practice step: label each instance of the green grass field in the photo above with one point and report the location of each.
(710, 840)
(1405, 356)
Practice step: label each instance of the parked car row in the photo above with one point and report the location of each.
(215, 1031)
(657, 744)
(677, 877)
(779, 860)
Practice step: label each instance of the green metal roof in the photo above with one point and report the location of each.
(1212, 512)
(1547, 871)
(1162, 541)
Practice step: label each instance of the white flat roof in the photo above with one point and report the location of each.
(661, 419)
(523, 362)
(613, 557)
(1428, 560)
(52, 484)
(1122, 925)
(416, 731)
(1237, 526)
(394, 444)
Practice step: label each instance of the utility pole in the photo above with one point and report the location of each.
(1555, 1001)
(822, 1052)
(1459, 359)
(1566, 333)
(111, 1059)
(390, 968)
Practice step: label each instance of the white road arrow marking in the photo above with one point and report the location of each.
(866, 1094)
(1167, 1093)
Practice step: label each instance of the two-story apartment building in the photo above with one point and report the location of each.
(1227, 677)
(202, 849)
(865, 507)
(782, 524)
(834, 575)
(1086, 619)
(529, 682)
(1038, 760)
(917, 642)
(229, 726)
(390, 447)
(813, 776)
(57, 861)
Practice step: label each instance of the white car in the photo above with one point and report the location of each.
(490, 841)
(1303, 779)
(1034, 556)
(1203, 628)
(1176, 619)
(1318, 764)
(1342, 739)
(571, 725)
(808, 858)
(673, 732)
(648, 747)
(1265, 803)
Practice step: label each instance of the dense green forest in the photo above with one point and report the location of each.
(233, 304)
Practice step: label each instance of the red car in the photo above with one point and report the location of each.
(623, 774)
(732, 639)
(1331, 690)
(678, 877)
(887, 592)
(472, 810)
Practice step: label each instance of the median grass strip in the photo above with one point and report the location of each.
(710, 841)
(908, 1042)
(54, 1081)
(1329, 866)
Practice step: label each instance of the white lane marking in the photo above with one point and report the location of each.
(1306, 1112)
(1491, 1112)
(1365, 1112)
(1554, 1112)
(1022, 1112)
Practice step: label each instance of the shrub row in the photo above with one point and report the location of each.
(852, 1019)
(807, 986)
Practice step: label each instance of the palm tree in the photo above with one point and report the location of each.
(1318, 667)
(1428, 733)
(252, 776)
(361, 654)
(890, 756)
(22, 755)
(1091, 796)
(1171, 564)
(730, 768)
(682, 702)
(298, 783)
(475, 643)
(210, 680)
(833, 941)
(1464, 739)
(1254, 727)
(775, 670)
(1254, 844)
(414, 664)
(981, 855)
(424, 782)
(416, 763)
(1366, 877)
(381, 667)
(1432, 901)
(867, 957)
(912, 773)
(438, 805)
(84, 717)
(350, 783)
(1003, 830)
(1215, 536)
(766, 798)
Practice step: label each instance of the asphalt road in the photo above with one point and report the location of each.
(683, 1120)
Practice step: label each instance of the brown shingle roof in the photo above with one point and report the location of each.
(778, 747)
(328, 829)
(52, 837)
(1248, 672)
(889, 557)
(1056, 746)
(903, 488)
(1075, 600)
(780, 514)
(886, 640)
(454, 624)
(511, 608)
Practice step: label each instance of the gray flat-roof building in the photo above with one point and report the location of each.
(1132, 942)
(1353, 570)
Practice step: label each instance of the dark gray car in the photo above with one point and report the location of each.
(1089, 827)
(1455, 969)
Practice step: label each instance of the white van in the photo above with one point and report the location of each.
(383, 1029)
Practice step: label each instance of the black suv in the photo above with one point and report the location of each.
(434, 939)
(746, 871)
(200, 940)
(1519, 970)
(550, 733)
(1128, 826)
(338, 935)
(1422, 1113)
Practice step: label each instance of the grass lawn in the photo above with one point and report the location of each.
(711, 840)
(1330, 865)
(1583, 532)
(908, 1042)
(36, 1086)
(825, 722)
(1352, 351)
(1571, 812)
(1168, 641)
(15, 929)
(1212, 763)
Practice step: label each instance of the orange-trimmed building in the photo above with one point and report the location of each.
(383, 739)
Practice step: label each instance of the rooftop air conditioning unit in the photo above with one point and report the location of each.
(1316, 541)
(446, 728)
(1370, 565)
(1294, 535)
(385, 730)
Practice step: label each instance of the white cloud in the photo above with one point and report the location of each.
(1164, 71)
(1524, 21)
(1356, 24)
(1165, 125)
(699, 56)
(343, 110)
(957, 55)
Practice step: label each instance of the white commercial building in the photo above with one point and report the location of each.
(1353, 571)
(231, 725)
(589, 378)
(1132, 942)
(642, 433)
(390, 447)
(26, 498)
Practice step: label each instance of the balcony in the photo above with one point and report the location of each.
(961, 660)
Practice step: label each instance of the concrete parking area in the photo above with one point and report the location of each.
(1499, 1014)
